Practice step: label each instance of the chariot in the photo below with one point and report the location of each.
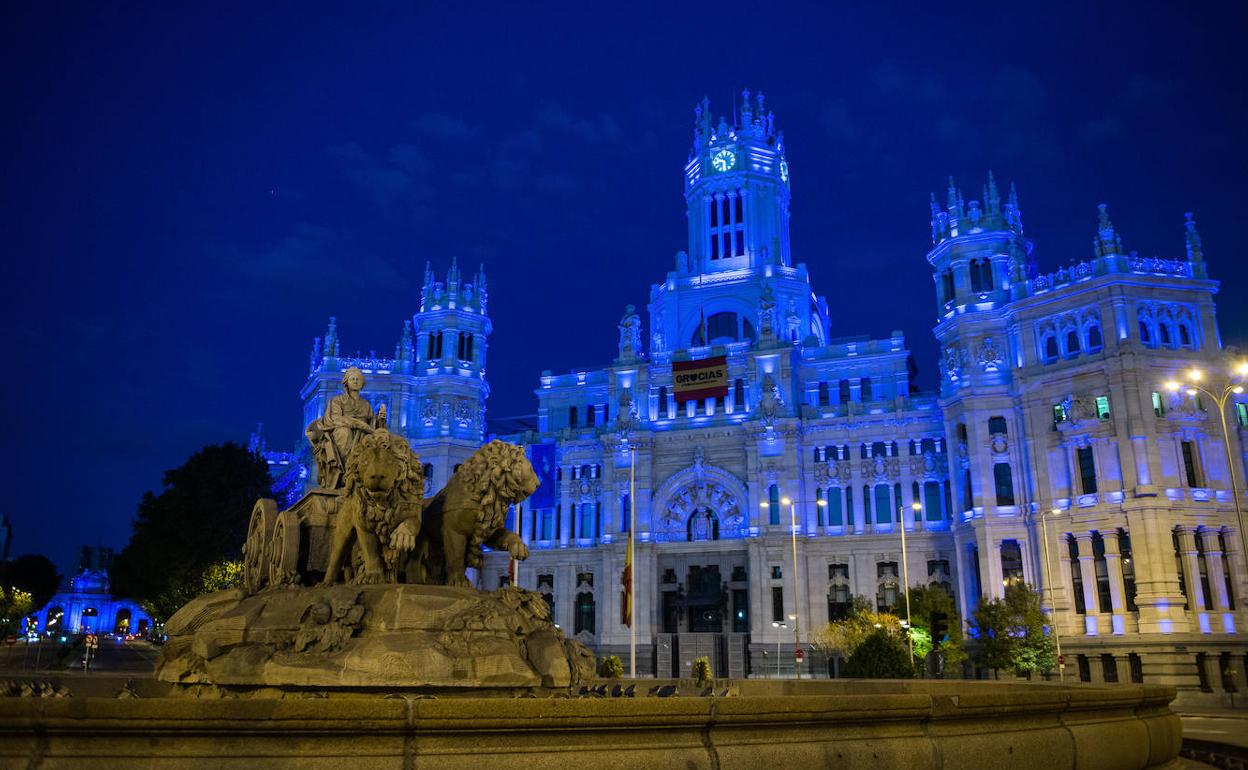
(289, 547)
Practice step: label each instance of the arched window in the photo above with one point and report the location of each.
(663, 402)
(946, 286)
(1004, 481)
(1185, 336)
(1163, 332)
(625, 512)
(773, 504)
(1011, 562)
(1095, 342)
(825, 394)
(1050, 348)
(586, 613)
(1072, 343)
(981, 276)
(997, 426)
(738, 395)
(1145, 336)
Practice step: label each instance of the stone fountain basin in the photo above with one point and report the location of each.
(844, 723)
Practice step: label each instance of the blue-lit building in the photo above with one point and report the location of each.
(1051, 398)
(88, 608)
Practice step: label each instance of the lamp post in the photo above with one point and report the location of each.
(778, 625)
(797, 623)
(905, 572)
(1191, 382)
(1048, 571)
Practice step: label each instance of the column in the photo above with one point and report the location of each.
(1087, 572)
(1117, 589)
(1217, 577)
(1191, 573)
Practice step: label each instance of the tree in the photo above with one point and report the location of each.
(935, 618)
(35, 574)
(842, 637)
(15, 605)
(881, 655)
(1011, 632)
(198, 520)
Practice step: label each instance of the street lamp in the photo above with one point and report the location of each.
(1190, 382)
(778, 625)
(905, 572)
(1048, 570)
(797, 625)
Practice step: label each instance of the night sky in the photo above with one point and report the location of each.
(188, 195)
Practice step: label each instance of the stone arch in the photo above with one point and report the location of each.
(701, 490)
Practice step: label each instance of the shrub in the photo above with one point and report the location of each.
(881, 655)
(702, 670)
(610, 667)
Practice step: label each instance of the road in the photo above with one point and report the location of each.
(135, 657)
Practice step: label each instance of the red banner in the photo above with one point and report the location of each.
(707, 378)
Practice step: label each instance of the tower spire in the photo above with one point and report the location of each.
(1107, 241)
(1195, 251)
(331, 338)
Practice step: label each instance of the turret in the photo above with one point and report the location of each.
(979, 254)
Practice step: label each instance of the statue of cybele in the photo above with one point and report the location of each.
(333, 436)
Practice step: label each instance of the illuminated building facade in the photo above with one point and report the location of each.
(88, 608)
(1050, 398)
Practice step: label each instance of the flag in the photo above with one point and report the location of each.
(543, 458)
(626, 604)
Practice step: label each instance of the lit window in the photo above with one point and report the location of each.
(1159, 407)
(1102, 407)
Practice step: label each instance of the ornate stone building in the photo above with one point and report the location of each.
(1050, 399)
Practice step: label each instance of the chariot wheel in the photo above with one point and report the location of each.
(284, 550)
(256, 547)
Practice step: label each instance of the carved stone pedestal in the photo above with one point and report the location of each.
(378, 636)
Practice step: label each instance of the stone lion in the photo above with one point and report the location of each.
(380, 508)
(471, 511)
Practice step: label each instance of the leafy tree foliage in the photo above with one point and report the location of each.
(842, 637)
(1011, 632)
(934, 615)
(35, 574)
(15, 604)
(881, 655)
(198, 520)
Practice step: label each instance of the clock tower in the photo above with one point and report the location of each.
(737, 282)
(737, 190)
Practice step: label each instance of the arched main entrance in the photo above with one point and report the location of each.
(700, 503)
(121, 625)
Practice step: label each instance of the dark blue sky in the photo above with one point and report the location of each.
(189, 194)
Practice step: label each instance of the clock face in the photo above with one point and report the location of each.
(724, 160)
(784, 171)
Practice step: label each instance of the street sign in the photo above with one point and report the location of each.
(1061, 660)
(799, 653)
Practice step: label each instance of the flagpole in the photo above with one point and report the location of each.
(632, 572)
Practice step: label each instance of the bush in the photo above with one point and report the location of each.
(702, 670)
(880, 656)
(610, 667)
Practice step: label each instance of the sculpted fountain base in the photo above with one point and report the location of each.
(370, 636)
